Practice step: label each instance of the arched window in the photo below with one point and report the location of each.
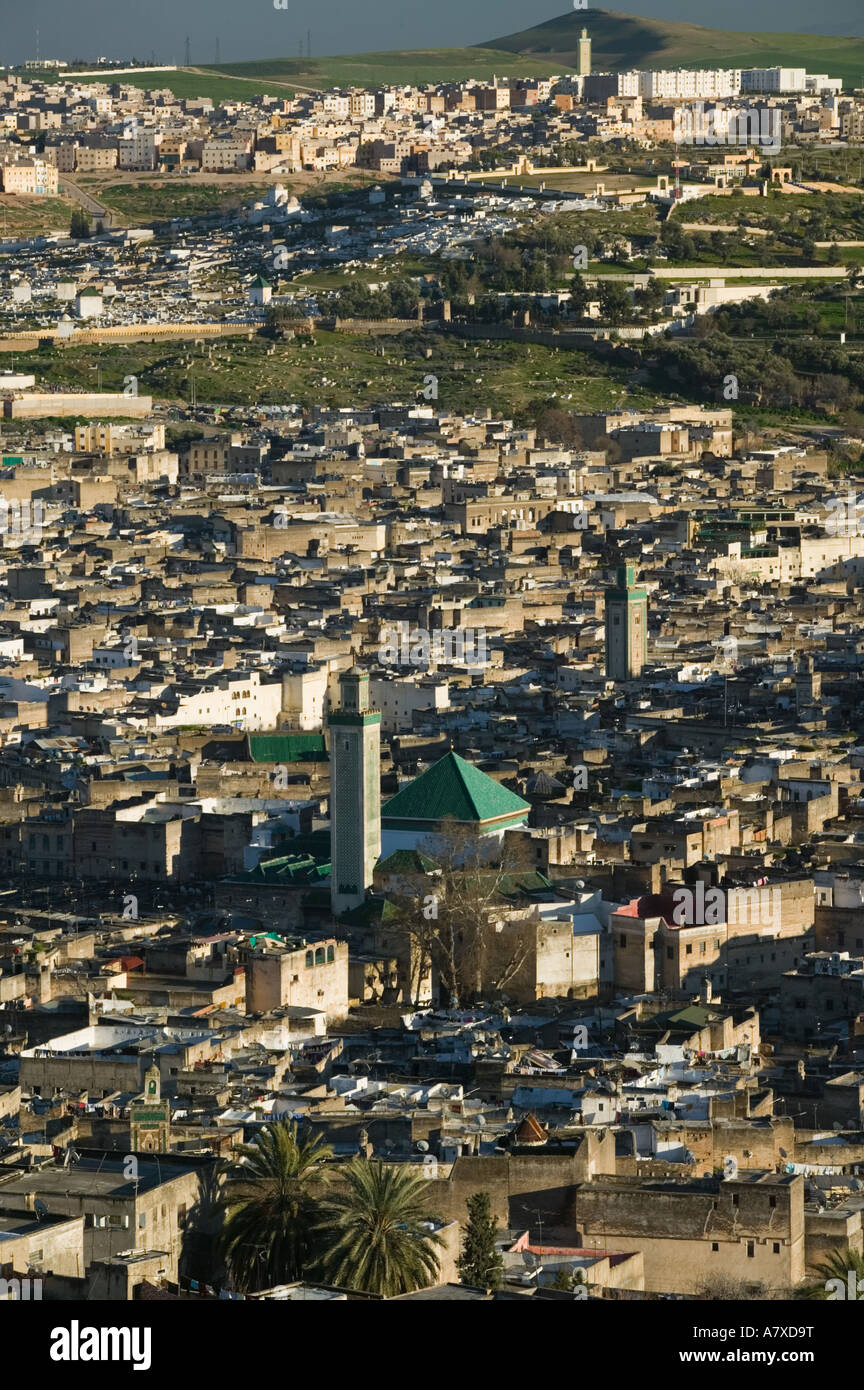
(330, 955)
(319, 956)
(309, 958)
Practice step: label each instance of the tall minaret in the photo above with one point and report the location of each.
(584, 54)
(355, 792)
(626, 627)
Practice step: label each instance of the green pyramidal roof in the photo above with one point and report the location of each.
(452, 787)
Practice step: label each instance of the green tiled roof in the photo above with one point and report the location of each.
(405, 861)
(287, 748)
(454, 788)
(287, 868)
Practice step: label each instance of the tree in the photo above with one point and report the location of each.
(467, 928)
(79, 224)
(376, 1229)
(580, 295)
(835, 1270)
(269, 1209)
(615, 303)
(480, 1262)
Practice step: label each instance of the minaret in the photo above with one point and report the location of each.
(355, 792)
(808, 685)
(584, 54)
(626, 627)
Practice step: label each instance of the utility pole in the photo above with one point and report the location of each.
(188, 57)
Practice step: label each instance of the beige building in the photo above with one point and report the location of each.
(31, 177)
(304, 974)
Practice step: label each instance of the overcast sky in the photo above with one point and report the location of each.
(255, 29)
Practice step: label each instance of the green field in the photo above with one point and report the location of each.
(338, 369)
(281, 76)
(23, 216)
(400, 66)
(167, 197)
(621, 41)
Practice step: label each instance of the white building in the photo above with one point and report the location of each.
(773, 80)
(682, 84)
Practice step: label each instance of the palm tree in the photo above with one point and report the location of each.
(270, 1211)
(834, 1282)
(380, 1241)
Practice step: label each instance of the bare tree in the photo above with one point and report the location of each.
(461, 921)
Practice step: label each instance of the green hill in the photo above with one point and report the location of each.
(621, 41)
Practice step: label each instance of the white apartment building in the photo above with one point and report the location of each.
(336, 104)
(244, 700)
(138, 149)
(397, 697)
(774, 80)
(683, 84)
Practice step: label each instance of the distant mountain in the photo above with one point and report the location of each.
(621, 41)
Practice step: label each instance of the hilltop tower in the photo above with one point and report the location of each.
(355, 792)
(626, 627)
(584, 68)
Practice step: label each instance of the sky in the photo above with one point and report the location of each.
(248, 29)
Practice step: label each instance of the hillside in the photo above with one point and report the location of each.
(621, 41)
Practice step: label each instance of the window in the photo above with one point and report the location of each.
(751, 1249)
(776, 1247)
(714, 1247)
(330, 955)
(310, 959)
(320, 956)
(772, 1201)
(688, 950)
(669, 953)
(622, 941)
(142, 1220)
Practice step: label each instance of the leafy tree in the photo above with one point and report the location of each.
(580, 295)
(839, 1264)
(79, 224)
(376, 1230)
(269, 1208)
(480, 1262)
(615, 304)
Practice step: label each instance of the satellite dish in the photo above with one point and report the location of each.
(40, 1209)
(422, 1146)
(730, 1166)
(782, 1153)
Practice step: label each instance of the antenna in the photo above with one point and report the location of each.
(308, 43)
(188, 58)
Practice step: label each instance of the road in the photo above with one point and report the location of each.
(68, 189)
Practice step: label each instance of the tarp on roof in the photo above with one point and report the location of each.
(287, 748)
